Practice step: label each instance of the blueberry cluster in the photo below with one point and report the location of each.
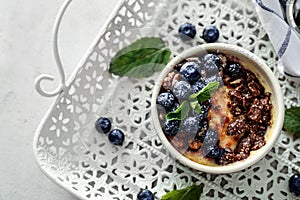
(115, 136)
(191, 82)
(187, 31)
(195, 74)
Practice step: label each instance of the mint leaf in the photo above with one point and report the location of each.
(143, 43)
(292, 120)
(141, 58)
(206, 92)
(196, 106)
(194, 102)
(190, 193)
(180, 113)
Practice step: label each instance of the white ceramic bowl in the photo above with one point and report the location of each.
(267, 79)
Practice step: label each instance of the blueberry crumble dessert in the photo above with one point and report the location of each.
(213, 110)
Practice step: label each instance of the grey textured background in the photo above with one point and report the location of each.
(26, 52)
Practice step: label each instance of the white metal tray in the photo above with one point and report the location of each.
(71, 153)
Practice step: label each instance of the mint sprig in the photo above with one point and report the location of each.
(292, 120)
(141, 58)
(192, 192)
(205, 93)
(196, 106)
(193, 102)
(180, 113)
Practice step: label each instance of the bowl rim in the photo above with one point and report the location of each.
(276, 95)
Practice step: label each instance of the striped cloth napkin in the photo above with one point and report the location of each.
(284, 39)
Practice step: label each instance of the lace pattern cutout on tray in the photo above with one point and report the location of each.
(82, 160)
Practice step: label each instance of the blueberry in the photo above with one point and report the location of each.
(210, 34)
(145, 195)
(181, 89)
(294, 184)
(103, 125)
(190, 71)
(214, 78)
(233, 70)
(166, 100)
(171, 127)
(211, 137)
(211, 64)
(210, 140)
(211, 58)
(116, 137)
(175, 106)
(215, 153)
(191, 125)
(204, 112)
(197, 86)
(202, 117)
(187, 31)
(205, 106)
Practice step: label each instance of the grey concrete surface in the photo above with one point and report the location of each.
(25, 52)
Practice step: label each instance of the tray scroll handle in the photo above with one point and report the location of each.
(42, 77)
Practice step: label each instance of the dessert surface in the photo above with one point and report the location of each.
(225, 127)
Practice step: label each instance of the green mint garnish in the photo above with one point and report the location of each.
(292, 120)
(189, 193)
(193, 102)
(206, 92)
(196, 106)
(180, 113)
(141, 58)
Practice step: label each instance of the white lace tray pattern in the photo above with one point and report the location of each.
(76, 157)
